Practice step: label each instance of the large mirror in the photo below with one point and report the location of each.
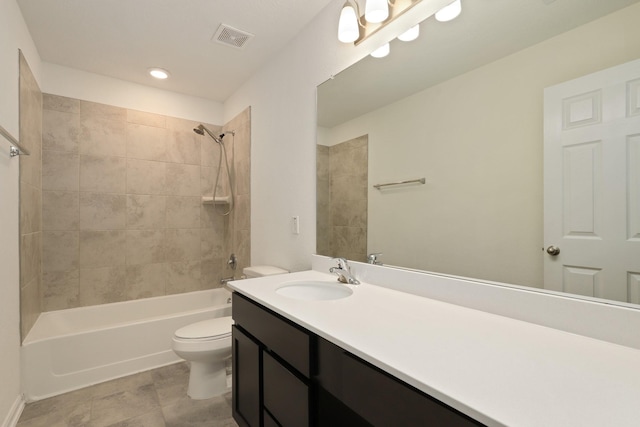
(462, 107)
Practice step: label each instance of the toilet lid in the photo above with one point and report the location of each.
(219, 327)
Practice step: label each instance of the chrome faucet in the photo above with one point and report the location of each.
(343, 270)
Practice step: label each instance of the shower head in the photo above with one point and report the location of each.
(201, 129)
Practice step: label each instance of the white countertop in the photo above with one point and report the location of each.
(500, 371)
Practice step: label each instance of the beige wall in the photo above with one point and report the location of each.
(122, 212)
(30, 198)
(342, 199)
(477, 139)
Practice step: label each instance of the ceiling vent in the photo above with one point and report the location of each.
(232, 36)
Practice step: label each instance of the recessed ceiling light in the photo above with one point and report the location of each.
(158, 73)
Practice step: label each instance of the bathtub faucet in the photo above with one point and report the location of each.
(224, 280)
(343, 270)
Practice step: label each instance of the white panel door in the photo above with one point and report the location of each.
(592, 184)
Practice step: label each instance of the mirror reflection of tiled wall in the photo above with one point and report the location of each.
(342, 174)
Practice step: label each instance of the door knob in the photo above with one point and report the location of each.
(553, 250)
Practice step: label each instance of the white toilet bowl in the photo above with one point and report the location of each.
(207, 346)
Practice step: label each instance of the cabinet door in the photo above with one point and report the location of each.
(246, 380)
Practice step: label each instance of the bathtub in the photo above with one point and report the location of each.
(74, 348)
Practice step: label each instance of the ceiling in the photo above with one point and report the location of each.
(485, 31)
(123, 38)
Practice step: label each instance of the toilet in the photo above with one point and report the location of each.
(207, 346)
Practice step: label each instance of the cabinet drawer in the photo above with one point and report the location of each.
(378, 397)
(274, 332)
(285, 396)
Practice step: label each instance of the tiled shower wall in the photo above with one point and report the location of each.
(30, 198)
(342, 199)
(121, 197)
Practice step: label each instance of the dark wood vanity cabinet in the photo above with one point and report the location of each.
(272, 368)
(286, 376)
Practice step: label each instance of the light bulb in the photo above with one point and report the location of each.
(411, 34)
(449, 12)
(376, 11)
(348, 30)
(381, 52)
(158, 73)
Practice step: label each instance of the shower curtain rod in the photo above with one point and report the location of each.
(16, 149)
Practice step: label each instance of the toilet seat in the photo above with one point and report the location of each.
(211, 329)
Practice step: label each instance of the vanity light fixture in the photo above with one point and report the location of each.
(411, 34)
(381, 52)
(159, 73)
(449, 12)
(376, 11)
(355, 28)
(349, 24)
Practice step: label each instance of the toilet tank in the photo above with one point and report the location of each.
(262, 270)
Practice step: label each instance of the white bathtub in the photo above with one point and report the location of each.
(70, 349)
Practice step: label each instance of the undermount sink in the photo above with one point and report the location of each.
(314, 291)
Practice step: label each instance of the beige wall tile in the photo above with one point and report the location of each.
(182, 244)
(60, 250)
(349, 213)
(102, 211)
(60, 210)
(100, 136)
(102, 248)
(182, 180)
(31, 167)
(60, 103)
(242, 248)
(103, 174)
(60, 290)
(60, 171)
(145, 177)
(209, 218)
(30, 257)
(242, 212)
(145, 211)
(207, 179)
(183, 212)
(89, 110)
(183, 277)
(211, 271)
(60, 131)
(183, 147)
(212, 244)
(243, 176)
(30, 208)
(147, 119)
(146, 142)
(145, 247)
(144, 281)
(102, 285)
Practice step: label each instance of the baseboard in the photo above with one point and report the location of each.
(14, 414)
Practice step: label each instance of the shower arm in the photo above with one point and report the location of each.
(215, 138)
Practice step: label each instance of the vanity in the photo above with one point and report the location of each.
(384, 356)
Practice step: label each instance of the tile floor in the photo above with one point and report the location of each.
(156, 398)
